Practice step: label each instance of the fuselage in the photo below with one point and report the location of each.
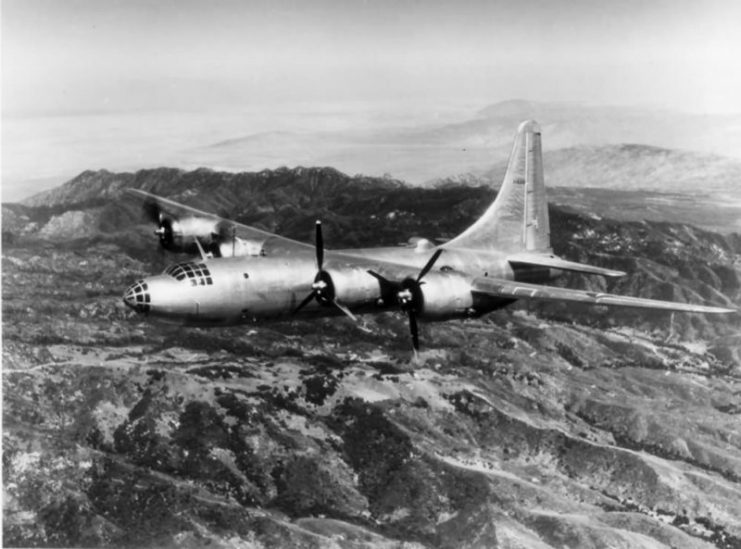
(247, 289)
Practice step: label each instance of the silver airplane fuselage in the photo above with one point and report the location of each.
(241, 290)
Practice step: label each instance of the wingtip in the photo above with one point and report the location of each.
(726, 311)
(711, 310)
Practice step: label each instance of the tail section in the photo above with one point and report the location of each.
(518, 219)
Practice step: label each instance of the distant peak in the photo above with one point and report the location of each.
(638, 148)
(91, 173)
(511, 107)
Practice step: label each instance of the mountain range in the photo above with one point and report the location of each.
(414, 144)
(536, 426)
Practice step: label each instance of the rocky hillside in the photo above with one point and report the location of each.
(532, 427)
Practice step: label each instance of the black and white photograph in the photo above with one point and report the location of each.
(371, 274)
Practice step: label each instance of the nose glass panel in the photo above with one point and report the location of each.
(137, 297)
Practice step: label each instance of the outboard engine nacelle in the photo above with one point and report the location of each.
(179, 235)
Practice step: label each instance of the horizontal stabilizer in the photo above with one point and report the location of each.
(518, 290)
(554, 262)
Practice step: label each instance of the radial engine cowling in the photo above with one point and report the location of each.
(354, 287)
(444, 295)
(179, 235)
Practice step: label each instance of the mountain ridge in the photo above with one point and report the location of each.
(668, 184)
(416, 145)
(531, 427)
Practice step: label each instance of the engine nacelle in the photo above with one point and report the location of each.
(179, 235)
(238, 247)
(354, 287)
(444, 295)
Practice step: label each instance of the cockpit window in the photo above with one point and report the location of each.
(197, 273)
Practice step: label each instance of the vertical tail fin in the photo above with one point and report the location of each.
(518, 219)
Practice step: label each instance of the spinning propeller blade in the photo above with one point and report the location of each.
(151, 211)
(305, 302)
(344, 309)
(408, 294)
(319, 245)
(429, 265)
(322, 288)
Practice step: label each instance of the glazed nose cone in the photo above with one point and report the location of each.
(137, 297)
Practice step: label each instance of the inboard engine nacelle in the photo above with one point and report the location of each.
(443, 295)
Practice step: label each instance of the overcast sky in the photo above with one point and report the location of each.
(92, 55)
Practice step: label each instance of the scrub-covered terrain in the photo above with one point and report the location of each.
(535, 426)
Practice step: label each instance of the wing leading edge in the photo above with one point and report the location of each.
(519, 290)
(344, 259)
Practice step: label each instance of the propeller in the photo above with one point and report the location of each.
(323, 288)
(165, 233)
(154, 213)
(408, 294)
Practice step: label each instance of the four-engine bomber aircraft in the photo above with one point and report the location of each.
(249, 275)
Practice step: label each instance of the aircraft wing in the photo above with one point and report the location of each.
(551, 261)
(519, 290)
(242, 231)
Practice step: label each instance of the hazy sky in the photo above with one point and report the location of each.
(92, 55)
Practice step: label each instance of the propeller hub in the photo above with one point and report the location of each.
(319, 285)
(409, 297)
(323, 287)
(405, 297)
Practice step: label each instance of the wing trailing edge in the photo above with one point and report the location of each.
(554, 262)
(518, 290)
